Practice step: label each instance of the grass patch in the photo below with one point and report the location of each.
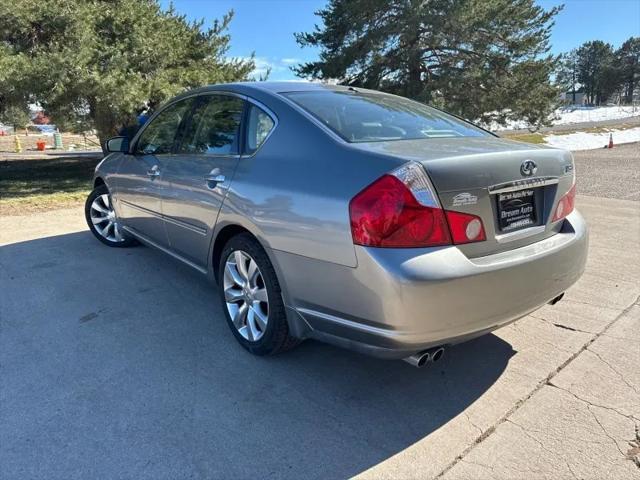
(28, 185)
(536, 138)
(603, 129)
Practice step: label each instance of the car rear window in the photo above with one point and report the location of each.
(366, 117)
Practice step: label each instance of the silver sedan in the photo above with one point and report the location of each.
(351, 216)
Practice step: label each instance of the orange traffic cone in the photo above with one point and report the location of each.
(611, 140)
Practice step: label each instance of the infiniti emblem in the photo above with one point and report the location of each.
(528, 168)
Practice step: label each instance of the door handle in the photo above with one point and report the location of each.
(214, 178)
(153, 172)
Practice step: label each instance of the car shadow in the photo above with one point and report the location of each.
(119, 362)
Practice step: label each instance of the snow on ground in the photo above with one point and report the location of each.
(593, 114)
(576, 114)
(591, 141)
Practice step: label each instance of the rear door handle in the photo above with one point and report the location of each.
(214, 178)
(153, 172)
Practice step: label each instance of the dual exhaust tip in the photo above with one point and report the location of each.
(421, 359)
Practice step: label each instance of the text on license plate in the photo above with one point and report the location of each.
(517, 210)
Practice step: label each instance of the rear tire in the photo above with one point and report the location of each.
(251, 297)
(102, 220)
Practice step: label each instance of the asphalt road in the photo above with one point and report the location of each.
(611, 173)
(117, 363)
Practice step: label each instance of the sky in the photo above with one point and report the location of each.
(266, 27)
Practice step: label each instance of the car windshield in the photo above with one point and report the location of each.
(366, 117)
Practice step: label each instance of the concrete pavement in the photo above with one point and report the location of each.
(117, 363)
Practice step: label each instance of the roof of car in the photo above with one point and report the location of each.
(279, 87)
(271, 88)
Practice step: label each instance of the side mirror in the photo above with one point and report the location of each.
(118, 144)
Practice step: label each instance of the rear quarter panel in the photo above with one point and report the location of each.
(294, 193)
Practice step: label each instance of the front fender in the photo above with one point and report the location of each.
(107, 169)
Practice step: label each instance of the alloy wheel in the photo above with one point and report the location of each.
(104, 219)
(245, 295)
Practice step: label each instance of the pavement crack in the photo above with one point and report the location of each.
(528, 435)
(472, 423)
(478, 464)
(559, 325)
(584, 400)
(614, 370)
(540, 340)
(542, 446)
(546, 381)
(604, 430)
(631, 454)
(569, 328)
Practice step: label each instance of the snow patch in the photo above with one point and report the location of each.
(593, 114)
(591, 141)
(569, 115)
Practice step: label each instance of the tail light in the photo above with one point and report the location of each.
(401, 210)
(565, 204)
(465, 228)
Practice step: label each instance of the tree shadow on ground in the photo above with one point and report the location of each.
(61, 174)
(118, 362)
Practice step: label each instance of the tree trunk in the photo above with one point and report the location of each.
(103, 144)
(104, 121)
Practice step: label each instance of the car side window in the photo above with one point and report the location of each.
(259, 125)
(160, 134)
(214, 127)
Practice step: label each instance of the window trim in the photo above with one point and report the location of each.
(134, 142)
(178, 140)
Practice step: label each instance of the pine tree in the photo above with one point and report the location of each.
(102, 60)
(486, 60)
(598, 71)
(567, 74)
(628, 57)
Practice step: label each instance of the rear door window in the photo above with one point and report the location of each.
(214, 127)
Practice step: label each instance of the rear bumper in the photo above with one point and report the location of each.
(397, 302)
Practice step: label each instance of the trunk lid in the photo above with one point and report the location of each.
(484, 176)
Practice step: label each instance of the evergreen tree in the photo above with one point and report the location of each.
(598, 71)
(567, 74)
(106, 59)
(628, 57)
(486, 60)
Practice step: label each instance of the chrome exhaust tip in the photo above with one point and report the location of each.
(421, 359)
(418, 360)
(437, 354)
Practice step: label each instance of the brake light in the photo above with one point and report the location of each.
(465, 228)
(565, 204)
(399, 210)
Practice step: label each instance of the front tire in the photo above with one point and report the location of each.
(102, 220)
(251, 297)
